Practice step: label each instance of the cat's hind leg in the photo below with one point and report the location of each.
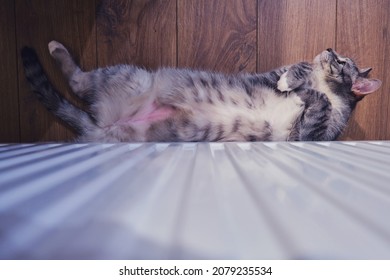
(51, 99)
(79, 81)
(62, 56)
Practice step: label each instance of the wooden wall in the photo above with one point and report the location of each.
(221, 35)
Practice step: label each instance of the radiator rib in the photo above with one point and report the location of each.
(195, 201)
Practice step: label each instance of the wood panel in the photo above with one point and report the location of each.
(294, 30)
(9, 105)
(221, 35)
(363, 32)
(71, 22)
(217, 35)
(137, 32)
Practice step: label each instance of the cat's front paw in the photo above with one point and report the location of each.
(54, 45)
(283, 84)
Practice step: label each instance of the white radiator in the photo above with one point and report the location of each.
(195, 201)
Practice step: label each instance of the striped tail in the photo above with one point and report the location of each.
(51, 99)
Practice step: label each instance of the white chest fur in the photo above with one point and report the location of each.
(322, 86)
(281, 112)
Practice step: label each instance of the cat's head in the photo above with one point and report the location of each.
(344, 77)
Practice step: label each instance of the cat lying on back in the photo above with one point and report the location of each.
(300, 102)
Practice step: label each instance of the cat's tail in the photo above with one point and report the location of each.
(51, 99)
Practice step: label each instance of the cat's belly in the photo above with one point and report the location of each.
(270, 119)
(147, 115)
(134, 124)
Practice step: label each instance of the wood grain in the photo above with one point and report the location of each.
(71, 22)
(9, 104)
(137, 32)
(217, 35)
(293, 31)
(221, 35)
(363, 32)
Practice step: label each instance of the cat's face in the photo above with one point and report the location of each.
(343, 76)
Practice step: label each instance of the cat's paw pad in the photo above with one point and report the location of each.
(283, 84)
(54, 45)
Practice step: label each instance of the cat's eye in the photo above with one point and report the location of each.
(341, 62)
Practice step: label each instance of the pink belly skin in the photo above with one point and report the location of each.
(148, 115)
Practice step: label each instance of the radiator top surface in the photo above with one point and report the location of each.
(327, 200)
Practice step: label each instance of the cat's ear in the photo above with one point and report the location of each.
(364, 86)
(364, 72)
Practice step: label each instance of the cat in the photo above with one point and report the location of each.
(300, 102)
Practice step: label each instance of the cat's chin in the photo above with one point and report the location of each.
(322, 58)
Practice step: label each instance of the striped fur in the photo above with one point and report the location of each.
(304, 101)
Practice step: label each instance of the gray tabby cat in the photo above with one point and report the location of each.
(300, 102)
